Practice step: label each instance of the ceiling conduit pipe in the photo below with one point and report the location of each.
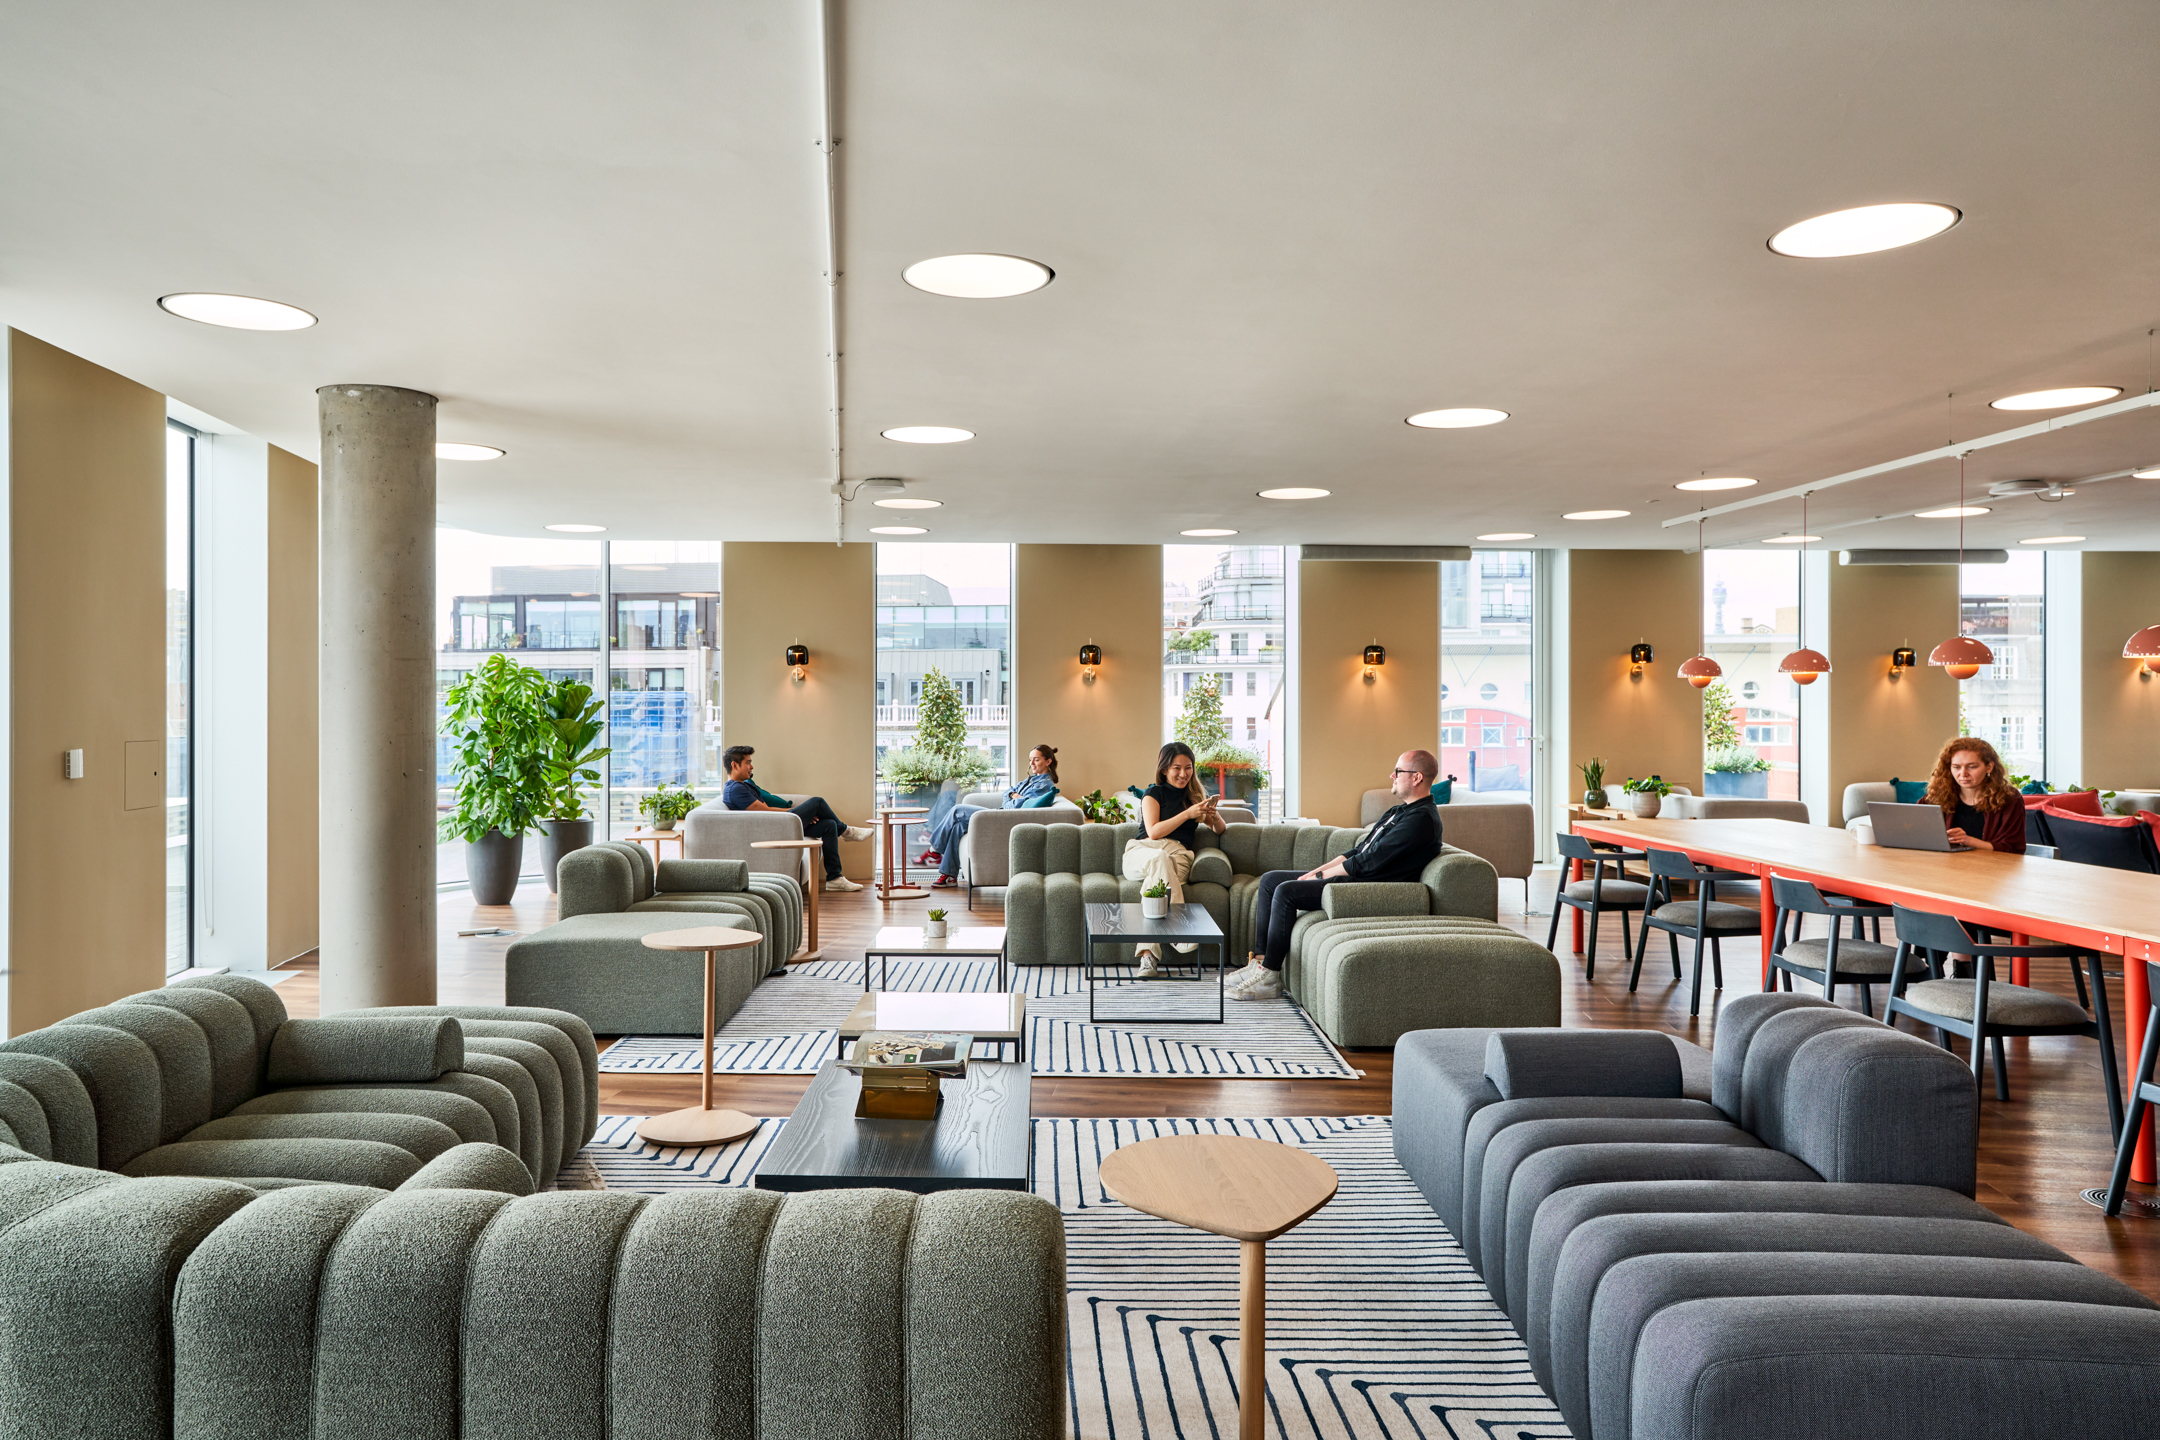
(828, 144)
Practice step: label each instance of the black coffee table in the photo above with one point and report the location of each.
(979, 1141)
(1186, 924)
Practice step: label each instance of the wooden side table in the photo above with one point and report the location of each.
(897, 818)
(701, 1124)
(654, 837)
(812, 882)
(1250, 1190)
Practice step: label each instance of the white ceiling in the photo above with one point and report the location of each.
(1279, 228)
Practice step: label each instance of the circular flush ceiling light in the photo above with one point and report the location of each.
(579, 529)
(978, 277)
(907, 503)
(1509, 535)
(1863, 231)
(1207, 534)
(927, 434)
(1716, 482)
(1791, 539)
(1294, 492)
(452, 450)
(1951, 512)
(898, 530)
(1594, 515)
(2057, 399)
(1464, 419)
(236, 312)
(2150, 472)
(2053, 540)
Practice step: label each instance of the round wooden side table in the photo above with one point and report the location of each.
(812, 882)
(700, 1124)
(1250, 1190)
(897, 817)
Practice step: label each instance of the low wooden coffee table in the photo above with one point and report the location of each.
(993, 1015)
(1250, 1190)
(701, 1124)
(979, 1141)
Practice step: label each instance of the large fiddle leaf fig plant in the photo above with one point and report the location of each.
(572, 727)
(498, 725)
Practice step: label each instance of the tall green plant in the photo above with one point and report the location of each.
(498, 726)
(1200, 723)
(940, 751)
(1718, 730)
(940, 717)
(572, 727)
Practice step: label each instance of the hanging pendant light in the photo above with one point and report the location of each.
(1961, 655)
(1804, 664)
(1700, 670)
(2145, 646)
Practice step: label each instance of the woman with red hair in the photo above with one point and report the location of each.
(1980, 809)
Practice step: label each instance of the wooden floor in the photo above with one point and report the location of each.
(2036, 1152)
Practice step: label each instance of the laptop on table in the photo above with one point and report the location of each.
(1911, 827)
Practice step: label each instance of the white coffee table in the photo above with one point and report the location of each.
(969, 942)
(996, 1016)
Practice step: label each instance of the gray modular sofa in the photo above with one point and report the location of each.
(593, 962)
(143, 1309)
(986, 849)
(1796, 1255)
(208, 1077)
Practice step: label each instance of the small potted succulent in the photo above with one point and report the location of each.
(1155, 901)
(1644, 796)
(1593, 779)
(668, 804)
(933, 925)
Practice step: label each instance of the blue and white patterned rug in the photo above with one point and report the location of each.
(1377, 1325)
(789, 1025)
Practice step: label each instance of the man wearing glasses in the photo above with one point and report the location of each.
(1399, 846)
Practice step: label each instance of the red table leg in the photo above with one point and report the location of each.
(1574, 916)
(1769, 928)
(2137, 1001)
(2020, 967)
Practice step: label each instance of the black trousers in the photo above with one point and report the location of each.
(1283, 897)
(819, 823)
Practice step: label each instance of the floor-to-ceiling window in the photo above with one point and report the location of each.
(1488, 686)
(944, 621)
(664, 695)
(1225, 662)
(2006, 703)
(1751, 714)
(179, 691)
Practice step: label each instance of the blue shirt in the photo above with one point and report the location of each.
(1029, 789)
(742, 794)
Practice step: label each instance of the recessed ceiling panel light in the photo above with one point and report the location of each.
(2061, 399)
(451, 450)
(1951, 512)
(898, 530)
(2053, 540)
(236, 312)
(927, 434)
(1509, 535)
(978, 277)
(1863, 231)
(2150, 472)
(1207, 534)
(1716, 482)
(1791, 539)
(1294, 492)
(1594, 515)
(1464, 419)
(579, 529)
(907, 502)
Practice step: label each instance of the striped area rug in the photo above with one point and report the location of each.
(789, 1025)
(1377, 1325)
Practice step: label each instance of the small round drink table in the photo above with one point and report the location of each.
(1249, 1190)
(649, 836)
(811, 885)
(701, 1124)
(898, 818)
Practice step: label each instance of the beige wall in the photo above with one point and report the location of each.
(293, 887)
(1107, 730)
(1880, 728)
(2121, 712)
(1650, 726)
(87, 555)
(816, 736)
(1349, 729)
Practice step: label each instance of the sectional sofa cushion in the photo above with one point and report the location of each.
(416, 1135)
(119, 1074)
(345, 1162)
(596, 967)
(1532, 1064)
(364, 1049)
(70, 1120)
(466, 1117)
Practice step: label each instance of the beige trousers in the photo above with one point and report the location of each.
(1166, 860)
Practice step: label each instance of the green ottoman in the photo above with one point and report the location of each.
(597, 968)
(1369, 981)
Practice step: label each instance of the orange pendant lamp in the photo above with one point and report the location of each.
(1804, 664)
(1700, 670)
(1961, 655)
(2145, 646)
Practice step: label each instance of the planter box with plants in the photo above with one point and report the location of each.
(940, 754)
(1736, 771)
(1226, 770)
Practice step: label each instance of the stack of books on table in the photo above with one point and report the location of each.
(901, 1071)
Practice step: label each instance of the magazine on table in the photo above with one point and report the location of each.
(942, 1053)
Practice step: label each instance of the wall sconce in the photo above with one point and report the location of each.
(1902, 659)
(1090, 657)
(798, 660)
(1639, 654)
(1375, 655)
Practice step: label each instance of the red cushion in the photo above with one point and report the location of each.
(2034, 802)
(2076, 802)
(2153, 820)
(2119, 822)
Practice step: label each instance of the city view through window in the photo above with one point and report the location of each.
(2005, 606)
(1751, 713)
(1487, 685)
(1225, 667)
(944, 615)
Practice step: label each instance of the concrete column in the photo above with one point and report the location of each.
(378, 696)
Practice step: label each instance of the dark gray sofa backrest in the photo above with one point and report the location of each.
(1863, 1103)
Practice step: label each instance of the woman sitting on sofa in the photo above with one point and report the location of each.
(949, 818)
(1171, 813)
(1980, 809)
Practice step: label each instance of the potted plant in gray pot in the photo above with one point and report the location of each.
(497, 726)
(1737, 771)
(572, 727)
(1593, 779)
(1645, 796)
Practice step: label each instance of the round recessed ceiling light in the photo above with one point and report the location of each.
(1791, 539)
(1951, 512)
(978, 277)
(2061, 399)
(1863, 231)
(1509, 535)
(927, 434)
(579, 529)
(1594, 515)
(452, 450)
(1716, 482)
(1294, 492)
(898, 530)
(1464, 419)
(1207, 534)
(907, 502)
(2053, 540)
(2150, 472)
(236, 312)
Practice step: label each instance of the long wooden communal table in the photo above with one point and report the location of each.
(2116, 912)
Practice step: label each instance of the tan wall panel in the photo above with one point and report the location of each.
(1650, 726)
(1350, 730)
(1106, 731)
(816, 736)
(294, 882)
(2121, 712)
(87, 875)
(1879, 727)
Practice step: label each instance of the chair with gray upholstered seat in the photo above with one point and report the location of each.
(1834, 959)
(1704, 919)
(1595, 895)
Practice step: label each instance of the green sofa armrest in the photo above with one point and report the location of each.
(677, 876)
(365, 1049)
(1361, 899)
(1462, 884)
(1211, 867)
(473, 1166)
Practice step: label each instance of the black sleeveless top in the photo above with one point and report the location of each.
(1170, 800)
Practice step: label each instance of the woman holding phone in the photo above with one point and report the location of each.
(1171, 813)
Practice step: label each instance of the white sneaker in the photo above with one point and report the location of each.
(857, 832)
(1239, 979)
(1148, 970)
(840, 884)
(1184, 949)
(1267, 988)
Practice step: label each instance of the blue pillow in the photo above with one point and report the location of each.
(1443, 790)
(1909, 792)
(1038, 802)
(2034, 787)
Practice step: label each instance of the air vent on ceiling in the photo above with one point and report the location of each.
(1922, 557)
(1384, 552)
